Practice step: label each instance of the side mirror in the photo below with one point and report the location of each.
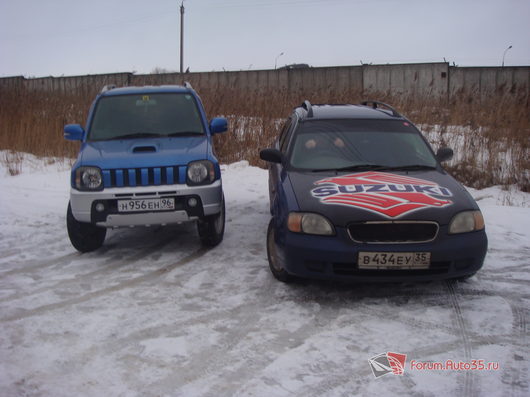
(74, 132)
(271, 155)
(444, 154)
(218, 125)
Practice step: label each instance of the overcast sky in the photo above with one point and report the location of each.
(77, 37)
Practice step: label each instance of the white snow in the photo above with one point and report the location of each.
(154, 314)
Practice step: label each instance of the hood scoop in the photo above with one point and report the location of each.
(144, 149)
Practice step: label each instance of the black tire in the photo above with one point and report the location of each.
(274, 256)
(212, 228)
(85, 237)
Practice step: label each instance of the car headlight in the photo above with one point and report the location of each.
(467, 221)
(88, 178)
(309, 223)
(200, 173)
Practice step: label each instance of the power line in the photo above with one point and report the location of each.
(90, 28)
(280, 3)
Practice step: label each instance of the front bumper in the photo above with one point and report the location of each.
(209, 199)
(335, 257)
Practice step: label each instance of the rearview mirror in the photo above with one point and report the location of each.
(444, 154)
(271, 155)
(74, 132)
(218, 125)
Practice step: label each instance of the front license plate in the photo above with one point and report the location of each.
(159, 204)
(394, 260)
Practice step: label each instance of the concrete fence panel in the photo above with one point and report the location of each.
(521, 81)
(431, 80)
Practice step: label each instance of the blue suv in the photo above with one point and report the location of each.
(146, 158)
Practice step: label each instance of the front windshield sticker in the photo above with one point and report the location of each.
(387, 194)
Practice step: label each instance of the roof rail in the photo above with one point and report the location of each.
(377, 104)
(307, 106)
(107, 87)
(188, 85)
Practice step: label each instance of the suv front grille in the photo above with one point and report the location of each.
(151, 176)
(393, 232)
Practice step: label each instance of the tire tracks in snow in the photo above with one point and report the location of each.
(116, 261)
(31, 266)
(56, 262)
(516, 375)
(508, 280)
(469, 388)
(505, 270)
(211, 362)
(246, 364)
(102, 292)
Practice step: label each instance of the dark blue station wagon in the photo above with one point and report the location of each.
(357, 193)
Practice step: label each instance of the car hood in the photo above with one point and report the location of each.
(152, 152)
(431, 195)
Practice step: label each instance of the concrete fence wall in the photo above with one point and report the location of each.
(487, 81)
(429, 80)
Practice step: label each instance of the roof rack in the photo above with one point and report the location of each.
(377, 104)
(107, 88)
(188, 85)
(307, 106)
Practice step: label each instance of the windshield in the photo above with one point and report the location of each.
(359, 144)
(146, 115)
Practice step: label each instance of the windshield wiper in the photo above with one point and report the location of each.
(135, 135)
(356, 167)
(412, 167)
(378, 167)
(185, 133)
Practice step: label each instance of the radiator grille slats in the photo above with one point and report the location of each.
(146, 176)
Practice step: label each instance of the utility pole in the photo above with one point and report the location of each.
(182, 37)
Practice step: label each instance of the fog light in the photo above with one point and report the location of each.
(192, 202)
(100, 207)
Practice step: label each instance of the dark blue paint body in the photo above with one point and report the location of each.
(335, 257)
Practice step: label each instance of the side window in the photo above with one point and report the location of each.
(284, 136)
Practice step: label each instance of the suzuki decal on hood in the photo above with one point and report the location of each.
(387, 194)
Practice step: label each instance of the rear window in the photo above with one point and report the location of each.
(330, 144)
(160, 114)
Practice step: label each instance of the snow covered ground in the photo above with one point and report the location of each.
(154, 314)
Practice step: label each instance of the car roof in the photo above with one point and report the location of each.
(148, 89)
(307, 111)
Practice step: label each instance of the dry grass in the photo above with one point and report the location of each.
(491, 140)
(13, 161)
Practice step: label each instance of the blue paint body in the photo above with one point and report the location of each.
(171, 151)
(141, 148)
(336, 257)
